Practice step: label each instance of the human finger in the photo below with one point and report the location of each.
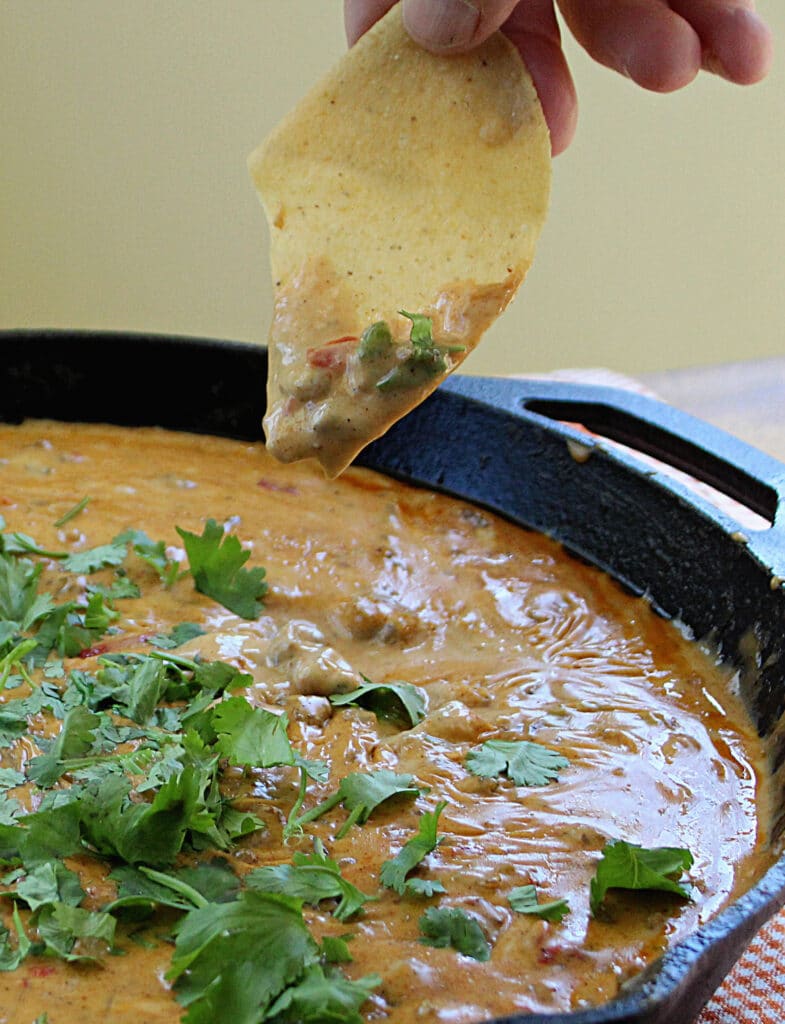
(736, 43)
(533, 29)
(454, 26)
(360, 15)
(643, 39)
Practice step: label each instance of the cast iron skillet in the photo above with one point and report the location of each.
(510, 447)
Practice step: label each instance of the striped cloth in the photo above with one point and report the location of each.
(754, 991)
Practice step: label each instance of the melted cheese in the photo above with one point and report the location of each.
(509, 639)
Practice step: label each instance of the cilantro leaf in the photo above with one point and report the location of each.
(142, 688)
(627, 866)
(232, 960)
(427, 358)
(526, 763)
(152, 552)
(12, 726)
(51, 882)
(216, 559)
(424, 888)
(251, 736)
(365, 792)
(421, 335)
(73, 933)
(18, 586)
(140, 833)
(523, 900)
(10, 810)
(75, 738)
(393, 872)
(98, 616)
(387, 700)
(10, 778)
(184, 889)
(375, 341)
(214, 879)
(121, 588)
(361, 793)
(335, 950)
(323, 995)
(442, 927)
(181, 634)
(50, 833)
(101, 557)
(311, 877)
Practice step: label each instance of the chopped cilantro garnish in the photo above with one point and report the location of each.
(216, 561)
(311, 877)
(11, 956)
(321, 995)
(393, 873)
(526, 763)
(101, 557)
(361, 794)
(387, 700)
(443, 926)
(254, 960)
(73, 512)
(375, 341)
(144, 887)
(153, 553)
(421, 335)
(73, 933)
(181, 634)
(335, 949)
(427, 358)
(10, 778)
(121, 588)
(75, 739)
(523, 900)
(98, 616)
(250, 736)
(627, 866)
(51, 882)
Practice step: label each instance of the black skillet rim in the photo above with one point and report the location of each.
(219, 389)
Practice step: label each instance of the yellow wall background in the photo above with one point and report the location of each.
(125, 201)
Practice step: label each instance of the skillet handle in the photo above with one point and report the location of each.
(657, 430)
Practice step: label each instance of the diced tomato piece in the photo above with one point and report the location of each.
(332, 355)
(93, 652)
(271, 485)
(41, 970)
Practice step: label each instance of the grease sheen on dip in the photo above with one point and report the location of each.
(509, 638)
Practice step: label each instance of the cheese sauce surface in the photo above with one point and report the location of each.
(508, 637)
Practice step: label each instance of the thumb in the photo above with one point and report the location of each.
(453, 26)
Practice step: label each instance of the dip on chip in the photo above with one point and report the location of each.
(404, 194)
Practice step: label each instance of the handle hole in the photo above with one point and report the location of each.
(728, 487)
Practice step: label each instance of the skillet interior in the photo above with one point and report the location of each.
(503, 445)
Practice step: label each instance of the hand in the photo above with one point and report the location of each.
(660, 45)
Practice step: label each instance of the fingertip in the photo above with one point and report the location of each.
(664, 59)
(550, 73)
(360, 15)
(743, 48)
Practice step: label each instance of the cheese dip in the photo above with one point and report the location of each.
(518, 661)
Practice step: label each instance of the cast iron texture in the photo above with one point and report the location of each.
(513, 448)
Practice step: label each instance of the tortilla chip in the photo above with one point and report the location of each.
(403, 181)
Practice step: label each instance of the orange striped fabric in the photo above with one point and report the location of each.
(754, 991)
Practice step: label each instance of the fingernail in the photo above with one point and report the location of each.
(441, 24)
(712, 63)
